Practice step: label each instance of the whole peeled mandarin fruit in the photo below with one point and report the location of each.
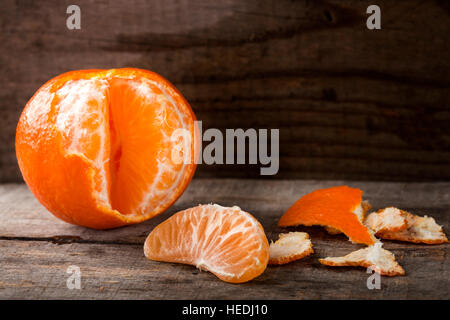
(107, 148)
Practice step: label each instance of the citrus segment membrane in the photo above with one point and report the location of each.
(123, 127)
(228, 242)
(82, 119)
(143, 114)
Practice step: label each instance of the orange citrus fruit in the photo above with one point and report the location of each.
(336, 207)
(228, 242)
(101, 149)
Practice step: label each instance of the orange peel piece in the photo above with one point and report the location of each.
(388, 219)
(360, 211)
(375, 257)
(417, 229)
(335, 207)
(290, 247)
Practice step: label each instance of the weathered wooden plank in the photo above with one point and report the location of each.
(311, 69)
(37, 270)
(22, 216)
(36, 249)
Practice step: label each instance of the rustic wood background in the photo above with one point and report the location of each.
(349, 102)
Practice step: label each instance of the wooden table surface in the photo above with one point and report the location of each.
(36, 249)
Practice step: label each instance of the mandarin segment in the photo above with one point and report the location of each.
(228, 242)
(335, 207)
(94, 146)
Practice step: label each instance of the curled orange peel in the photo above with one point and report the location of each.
(335, 207)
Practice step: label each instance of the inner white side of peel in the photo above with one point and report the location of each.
(290, 244)
(359, 212)
(391, 215)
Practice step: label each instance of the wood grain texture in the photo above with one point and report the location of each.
(36, 249)
(350, 103)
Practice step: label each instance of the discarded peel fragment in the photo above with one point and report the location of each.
(340, 208)
(226, 241)
(388, 219)
(379, 259)
(360, 211)
(290, 247)
(418, 229)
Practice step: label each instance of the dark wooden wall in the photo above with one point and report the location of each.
(349, 102)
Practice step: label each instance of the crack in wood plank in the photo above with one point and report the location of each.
(66, 240)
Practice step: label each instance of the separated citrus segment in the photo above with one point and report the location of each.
(96, 147)
(228, 242)
(338, 207)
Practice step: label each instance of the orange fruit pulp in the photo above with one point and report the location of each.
(96, 147)
(333, 207)
(228, 242)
